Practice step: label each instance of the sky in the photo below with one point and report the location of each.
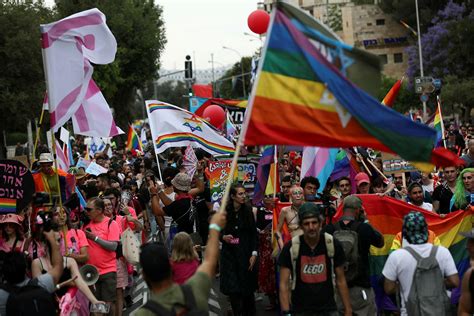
(200, 28)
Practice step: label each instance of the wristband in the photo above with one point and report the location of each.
(215, 227)
(254, 253)
(95, 238)
(286, 313)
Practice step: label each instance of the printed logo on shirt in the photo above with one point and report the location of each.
(313, 269)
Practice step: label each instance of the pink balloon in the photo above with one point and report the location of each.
(215, 115)
(258, 21)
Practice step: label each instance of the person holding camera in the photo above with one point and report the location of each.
(103, 234)
(356, 236)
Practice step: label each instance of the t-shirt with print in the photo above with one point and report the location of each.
(201, 286)
(102, 259)
(180, 210)
(45, 281)
(314, 290)
(76, 239)
(401, 266)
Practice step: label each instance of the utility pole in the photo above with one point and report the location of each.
(420, 54)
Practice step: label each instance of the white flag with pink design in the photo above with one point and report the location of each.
(69, 47)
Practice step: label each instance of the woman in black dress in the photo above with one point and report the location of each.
(239, 254)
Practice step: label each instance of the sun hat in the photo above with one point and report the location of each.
(45, 157)
(182, 182)
(11, 218)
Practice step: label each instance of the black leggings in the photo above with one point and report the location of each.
(243, 305)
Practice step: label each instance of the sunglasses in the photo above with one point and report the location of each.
(88, 209)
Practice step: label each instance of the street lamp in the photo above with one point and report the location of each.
(241, 68)
(420, 53)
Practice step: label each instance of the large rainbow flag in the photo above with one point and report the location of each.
(301, 97)
(386, 215)
(172, 126)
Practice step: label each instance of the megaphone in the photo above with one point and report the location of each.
(89, 273)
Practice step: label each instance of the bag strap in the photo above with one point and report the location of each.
(187, 212)
(189, 300)
(413, 253)
(433, 252)
(156, 308)
(294, 252)
(329, 241)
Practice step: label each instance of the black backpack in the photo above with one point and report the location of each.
(190, 305)
(30, 299)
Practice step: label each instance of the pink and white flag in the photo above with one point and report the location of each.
(190, 161)
(63, 161)
(318, 162)
(69, 47)
(94, 117)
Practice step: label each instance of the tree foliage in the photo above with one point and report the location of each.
(22, 83)
(139, 29)
(229, 86)
(335, 17)
(174, 92)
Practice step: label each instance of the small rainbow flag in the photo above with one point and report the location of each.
(392, 94)
(7, 205)
(133, 141)
(438, 125)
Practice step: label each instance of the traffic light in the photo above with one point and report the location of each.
(188, 68)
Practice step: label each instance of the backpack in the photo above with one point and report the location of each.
(428, 292)
(30, 299)
(189, 306)
(349, 239)
(295, 251)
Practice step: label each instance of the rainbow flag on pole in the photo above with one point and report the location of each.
(302, 97)
(133, 141)
(7, 205)
(392, 94)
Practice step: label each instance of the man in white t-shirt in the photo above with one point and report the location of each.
(401, 265)
(416, 195)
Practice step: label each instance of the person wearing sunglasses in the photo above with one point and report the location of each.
(289, 215)
(103, 235)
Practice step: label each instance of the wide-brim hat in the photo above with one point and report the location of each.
(182, 182)
(11, 218)
(45, 157)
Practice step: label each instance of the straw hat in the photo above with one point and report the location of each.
(45, 157)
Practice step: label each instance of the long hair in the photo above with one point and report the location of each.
(183, 248)
(18, 232)
(460, 190)
(245, 210)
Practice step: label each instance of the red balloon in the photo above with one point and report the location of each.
(215, 115)
(258, 21)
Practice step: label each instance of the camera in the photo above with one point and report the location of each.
(45, 219)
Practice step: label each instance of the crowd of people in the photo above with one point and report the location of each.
(305, 264)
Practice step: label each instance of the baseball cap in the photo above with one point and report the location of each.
(361, 177)
(352, 201)
(308, 210)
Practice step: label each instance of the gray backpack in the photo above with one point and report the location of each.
(349, 239)
(428, 292)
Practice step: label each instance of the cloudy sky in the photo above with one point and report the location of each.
(200, 28)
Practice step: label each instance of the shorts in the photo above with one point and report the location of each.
(106, 287)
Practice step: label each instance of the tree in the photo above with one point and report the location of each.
(174, 92)
(229, 86)
(335, 17)
(139, 29)
(21, 79)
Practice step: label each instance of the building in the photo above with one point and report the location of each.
(367, 27)
(202, 76)
(364, 26)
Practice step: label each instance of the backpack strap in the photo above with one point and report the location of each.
(414, 253)
(156, 308)
(294, 252)
(189, 300)
(329, 241)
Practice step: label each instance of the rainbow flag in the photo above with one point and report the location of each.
(392, 94)
(7, 205)
(439, 125)
(133, 141)
(386, 215)
(319, 163)
(300, 98)
(264, 173)
(172, 126)
(273, 183)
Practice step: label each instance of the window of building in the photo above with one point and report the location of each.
(380, 21)
(398, 58)
(383, 58)
(347, 24)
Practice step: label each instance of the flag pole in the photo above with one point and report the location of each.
(230, 179)
(38, 130)
(275, 179)
(153, 143)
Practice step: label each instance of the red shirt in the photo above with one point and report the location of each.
(182, 271)
(103, 260)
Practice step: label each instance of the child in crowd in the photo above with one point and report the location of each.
(184, 258)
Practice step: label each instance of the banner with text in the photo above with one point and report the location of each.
(16, 186)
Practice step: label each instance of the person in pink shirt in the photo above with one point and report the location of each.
(11, 233)
(184, 258)
(103, 235)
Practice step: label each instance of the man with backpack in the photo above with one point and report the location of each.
(423, 271)
(356, 237)
(169, 298)
(23, 296)
(311, 261)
